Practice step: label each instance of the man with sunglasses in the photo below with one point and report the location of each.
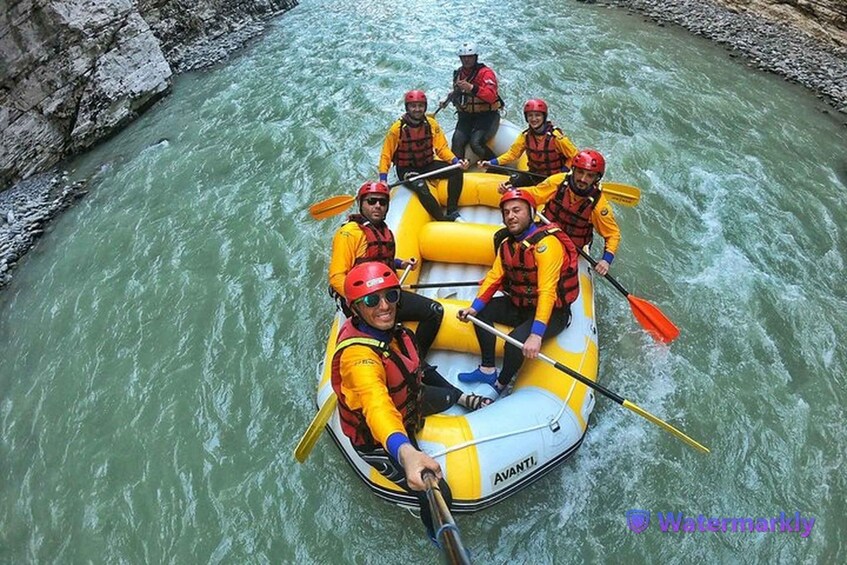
(536, 268)
(412, 143)
(383, 393)
(366, 237)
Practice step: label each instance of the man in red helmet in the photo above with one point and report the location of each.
(412, 142)
(575, 201)
(383, 393)
(478, 103)
(536, 268)
(366, 237)
(548, 150)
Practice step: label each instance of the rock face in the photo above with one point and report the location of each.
(73, 72)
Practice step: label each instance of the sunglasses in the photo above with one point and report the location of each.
(374, 201)
(372, 300)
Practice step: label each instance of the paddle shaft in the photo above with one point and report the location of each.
(446, 531)
(426, 175)
(596, 386)
(442, 284)
(514, 170)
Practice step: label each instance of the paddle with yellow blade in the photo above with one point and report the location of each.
(321, 419)
(446, 531)
(648, 315)
(617, 192)
(334, 205)
(598, 387)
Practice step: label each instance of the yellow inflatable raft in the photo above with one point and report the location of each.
(494, 452)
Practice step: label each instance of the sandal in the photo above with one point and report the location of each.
(474, 402)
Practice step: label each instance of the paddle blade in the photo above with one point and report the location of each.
(621, 193)
(665, 426)
(330, 207)
(319, 422)
(653, 320)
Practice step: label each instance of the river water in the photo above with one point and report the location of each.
(159, 345)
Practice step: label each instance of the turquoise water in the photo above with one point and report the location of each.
(159, 345)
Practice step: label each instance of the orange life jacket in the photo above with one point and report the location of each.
(542, 152)
(415, 146)
(521, 272)
(380, 242)
(467, 102)
(402, 379)
(573, 215)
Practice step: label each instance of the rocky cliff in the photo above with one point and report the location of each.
(73, 72)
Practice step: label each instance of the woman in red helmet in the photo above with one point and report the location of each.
(548, 150)
(412, 143)
(383, 393)
(536, 268)
(575, 201)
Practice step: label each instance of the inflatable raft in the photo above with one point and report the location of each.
(494, 452)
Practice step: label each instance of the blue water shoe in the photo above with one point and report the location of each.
(477, 376)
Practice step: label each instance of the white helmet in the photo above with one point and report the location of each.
(467, 48)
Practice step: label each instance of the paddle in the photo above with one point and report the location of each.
(648, 315)
(599, 388)
(617, 192)
(447, 533)
(334, 205)
(321, 419)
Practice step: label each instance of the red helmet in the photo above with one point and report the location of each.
(373, 187)
(590, 160)
(366, 278)
(415, 96)
(518, 194)
(535, 105)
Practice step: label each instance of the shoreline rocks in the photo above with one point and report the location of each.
(26, 211)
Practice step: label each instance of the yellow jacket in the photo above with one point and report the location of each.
(602, 216)
(348, 244)
(363, 385)
(392, 140)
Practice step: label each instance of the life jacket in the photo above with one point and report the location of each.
(521, 272)
(380, 242)
(467, 102)
(415, 146)
(402, 379)
(542, 152)
(572, 214)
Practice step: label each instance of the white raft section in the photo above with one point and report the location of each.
(491, 453)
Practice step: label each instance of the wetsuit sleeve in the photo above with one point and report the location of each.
(364, 388)
(549, 256)
(389, 146)
(492, 283)
(546, 189)
(485, 86)
(604, 222)
(514, 152)
(348, 244)
(439, 142)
